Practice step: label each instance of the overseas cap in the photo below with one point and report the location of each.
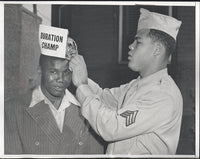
(72, 49)
(55, 42)
(152, 20)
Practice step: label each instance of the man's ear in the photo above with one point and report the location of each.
(158, 49)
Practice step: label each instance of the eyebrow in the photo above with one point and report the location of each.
(54, 69)
(137, 37)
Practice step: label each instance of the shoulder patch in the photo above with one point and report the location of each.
(130, 116)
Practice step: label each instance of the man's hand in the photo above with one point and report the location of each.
(79, 70)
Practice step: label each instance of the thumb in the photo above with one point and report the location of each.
(71, 66)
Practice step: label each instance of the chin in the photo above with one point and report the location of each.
(130, 66)
(58, 94)
(133, 68)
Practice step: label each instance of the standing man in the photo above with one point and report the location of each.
(48, 120)
(142, 117)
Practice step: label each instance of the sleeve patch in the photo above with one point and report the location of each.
(130, 116)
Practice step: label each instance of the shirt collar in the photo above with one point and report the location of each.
(155, 77)
(67, 100)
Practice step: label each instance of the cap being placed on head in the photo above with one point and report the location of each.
(72, 49)
(55, 42)
(152, 20)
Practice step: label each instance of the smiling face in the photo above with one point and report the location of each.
(55, 77)
(141, 52)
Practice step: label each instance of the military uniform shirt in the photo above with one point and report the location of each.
(141, 117)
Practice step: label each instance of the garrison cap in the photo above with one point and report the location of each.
(152, 20)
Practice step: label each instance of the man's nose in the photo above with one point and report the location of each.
(131, 47)
(60, 77)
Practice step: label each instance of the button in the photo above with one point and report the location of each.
(80, 143)
(37, 143)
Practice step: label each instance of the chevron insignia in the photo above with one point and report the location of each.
(130, 116)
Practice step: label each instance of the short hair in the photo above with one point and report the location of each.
(43, 59)
(165, 39)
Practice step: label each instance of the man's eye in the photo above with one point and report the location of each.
(53, 72)
(138, 42)
(67, 72)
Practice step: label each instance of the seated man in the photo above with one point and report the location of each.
(48, 120)
(142, 117)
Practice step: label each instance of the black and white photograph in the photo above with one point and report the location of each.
(96, 79)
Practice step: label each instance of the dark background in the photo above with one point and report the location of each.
(96, 31)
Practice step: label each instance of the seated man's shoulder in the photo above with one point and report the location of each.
(76, 111)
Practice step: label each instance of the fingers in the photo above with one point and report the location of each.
(76, 61)
(71, 66)
(78, 67)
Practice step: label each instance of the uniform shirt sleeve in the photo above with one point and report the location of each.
(96, 89)
(146, 114)
(108, 96)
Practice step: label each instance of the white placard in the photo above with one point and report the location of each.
(53, 41)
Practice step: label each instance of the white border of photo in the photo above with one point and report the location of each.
(168, 3)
